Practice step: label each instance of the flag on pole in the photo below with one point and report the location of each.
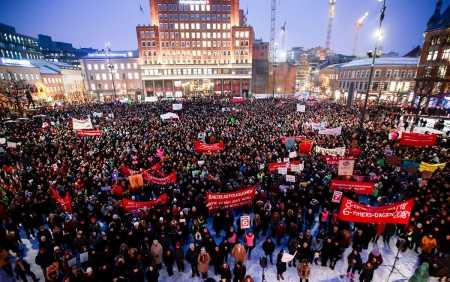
(141, 8)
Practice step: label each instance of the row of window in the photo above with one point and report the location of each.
(19, 76)
(175, 7)
(194, 17)
(118, 86)
(196, 44)
(17, 39)
(441, 71)
(375, 86)
(196, 62)
(52, 80)
(52, 89)
(195, 71)
(17, 55)
(72, 77)
(108, 76)
(200, 53)
(197, 26)
(115, 66)
(377, 74)
(433, 55)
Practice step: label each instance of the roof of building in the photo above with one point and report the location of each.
(382, 61)
(335, 66)
(441, 21)
(45, 70)
(414, 52)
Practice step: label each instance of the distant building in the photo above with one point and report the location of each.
(285, 74)
(17, 46)
(260, 67)
(103, 83)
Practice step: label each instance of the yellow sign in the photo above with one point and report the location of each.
(430, 167)
(136, 180)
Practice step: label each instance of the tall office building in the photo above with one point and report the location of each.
(196, 48)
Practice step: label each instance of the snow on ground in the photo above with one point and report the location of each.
(405, 266)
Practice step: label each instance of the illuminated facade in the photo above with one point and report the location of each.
(196, 48)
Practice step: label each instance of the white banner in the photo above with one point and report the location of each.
(94, 114)
(301, 108)
(340, 151)
(282, 170)
(318, 126)
(296, 168)
(292, 154)
(111, 115)
(290, 178)
(331, 131)
(346, 167)
(11, 144)
(82, 124)
(287, 257)
(177, 107)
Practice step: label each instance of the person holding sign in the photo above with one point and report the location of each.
(281, 266)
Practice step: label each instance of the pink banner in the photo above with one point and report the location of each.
(334, 160)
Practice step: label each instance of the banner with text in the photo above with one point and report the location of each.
(365, 188)
(87, 132)
(273, 167)
(129, 205)
(345, 167)
(170, 178)
(334, 160)
(397, 213)
(231, 200)
(431, 167)
(339, 151)
(205, 148)
(81, 124)
(331, 131)
(417, 139)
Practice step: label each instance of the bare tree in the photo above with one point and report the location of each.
(15, 90)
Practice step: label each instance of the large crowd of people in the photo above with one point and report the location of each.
(112, 244)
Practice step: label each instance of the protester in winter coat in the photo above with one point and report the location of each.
(281, 266)
(375, 258)
(248, 278)
(169, 260)
(217, 224)
(157, 252)
(203, 263)
(428, 243)
(268, 248)
(250, 243)
(326, 251)
(22, 268)
(43, 259)
(238, 253)
(305, 252)
(293, 249)
(239, 272)
(179, 256)
(225, 248)
(354, 263)
(345, 240)
(316, 248)
(367, 272)
(192, 258)
(152, 274)
(389, 231)
(336, 254)
(304, 270)
(443, 245)
(217, 259)
(379, 231)
(280, 232)
(358, 240)
(225, 272)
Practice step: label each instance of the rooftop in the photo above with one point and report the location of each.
(45, 70)
(382, 61)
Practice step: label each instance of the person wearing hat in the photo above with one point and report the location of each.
(304, 270)
(91, 276)
(269, 247)
(239, 272)
(43, 232)
(79, 242)
(203, 262)
(281, 266)
(358, 240)
(428, 243)
(375, 258)
(179, 256)
(191, 258)
(354, 263)
(231, 237)
(157, 252)
(22, 268)
(238, 253)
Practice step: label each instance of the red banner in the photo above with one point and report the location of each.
(334, 160)
(170, 178)
(237, 99)
(231, 200)
(64, 203)
(306, 146)
(358, 187)
(397, 213)
(366, 177)
(205, 148)
(417, 139)
(273, 167)
(297, 138)
(129, 205)
(89, 132)
(128, 171)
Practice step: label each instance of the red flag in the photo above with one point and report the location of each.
(156, 167)
(64, 203)
(128, 171)
(7, 169)
(53, 131)
(141, 8)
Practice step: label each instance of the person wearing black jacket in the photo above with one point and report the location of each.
(359, 241)
(22, 268)
(169, 261)
(224, 249)
(179, 257)
(269, 247)
(217, 224)
(225, 272)
(367, 272)
(305, 253)
(336, 254)
(191, 257)
(43, 259)
(239, 272)
(326, 251)
(217, 259)
(152, 274)
(281, 266)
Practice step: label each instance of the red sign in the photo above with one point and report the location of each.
(129, 205)
(306, 146)
(245, 221)
(64, 203)
(397, 213)
(89, 132)
(297, 138)
(170, 178)
(231, 200)
(358, 187)
(417, 139)
(205, 148)
(334, 160)
(128, 171)
(237, 99)
(156, 166)
(273, 167)
(337, 196)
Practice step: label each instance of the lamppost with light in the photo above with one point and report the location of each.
(275, 65)
(373, 55)
(111, 67)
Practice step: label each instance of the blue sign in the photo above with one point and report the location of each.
(290, 143)
(115, 175)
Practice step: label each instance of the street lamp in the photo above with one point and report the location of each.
(275, 65)
(111, 67)
(373, 55)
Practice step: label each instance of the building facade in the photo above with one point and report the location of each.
(393, 78)
(113, 75)
(54, 85)
(260, 67)
(196, 48)
(17, 46)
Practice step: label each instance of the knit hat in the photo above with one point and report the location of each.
(191, 245)
(55, 248)
(203, 249)
(89, 269)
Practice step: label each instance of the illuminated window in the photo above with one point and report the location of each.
(95, 67)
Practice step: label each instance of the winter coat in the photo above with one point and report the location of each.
(157, 252)
(357, 259)
(191, 257)
(225, 273)
(203, 262)
(216, 256)
(18, 270)
(443, 245)
(379, 228)
(179, 254)
(281, 266)
(375, 260)
(317, 246)
(169, 260)
(238, 253)
(345, 239)
(427, 244)
(268, 248)
(4, 257)
(239, 272)
(336, 253)
(358, 241)
(281, 231)
(389, 229)
(152, 275)
(367, 272)
(303, 271)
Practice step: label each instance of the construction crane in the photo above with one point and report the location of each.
(330, 23)
(283, 31)
(272, 29)
(358, 26)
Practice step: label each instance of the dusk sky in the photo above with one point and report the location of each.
(92, 23)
